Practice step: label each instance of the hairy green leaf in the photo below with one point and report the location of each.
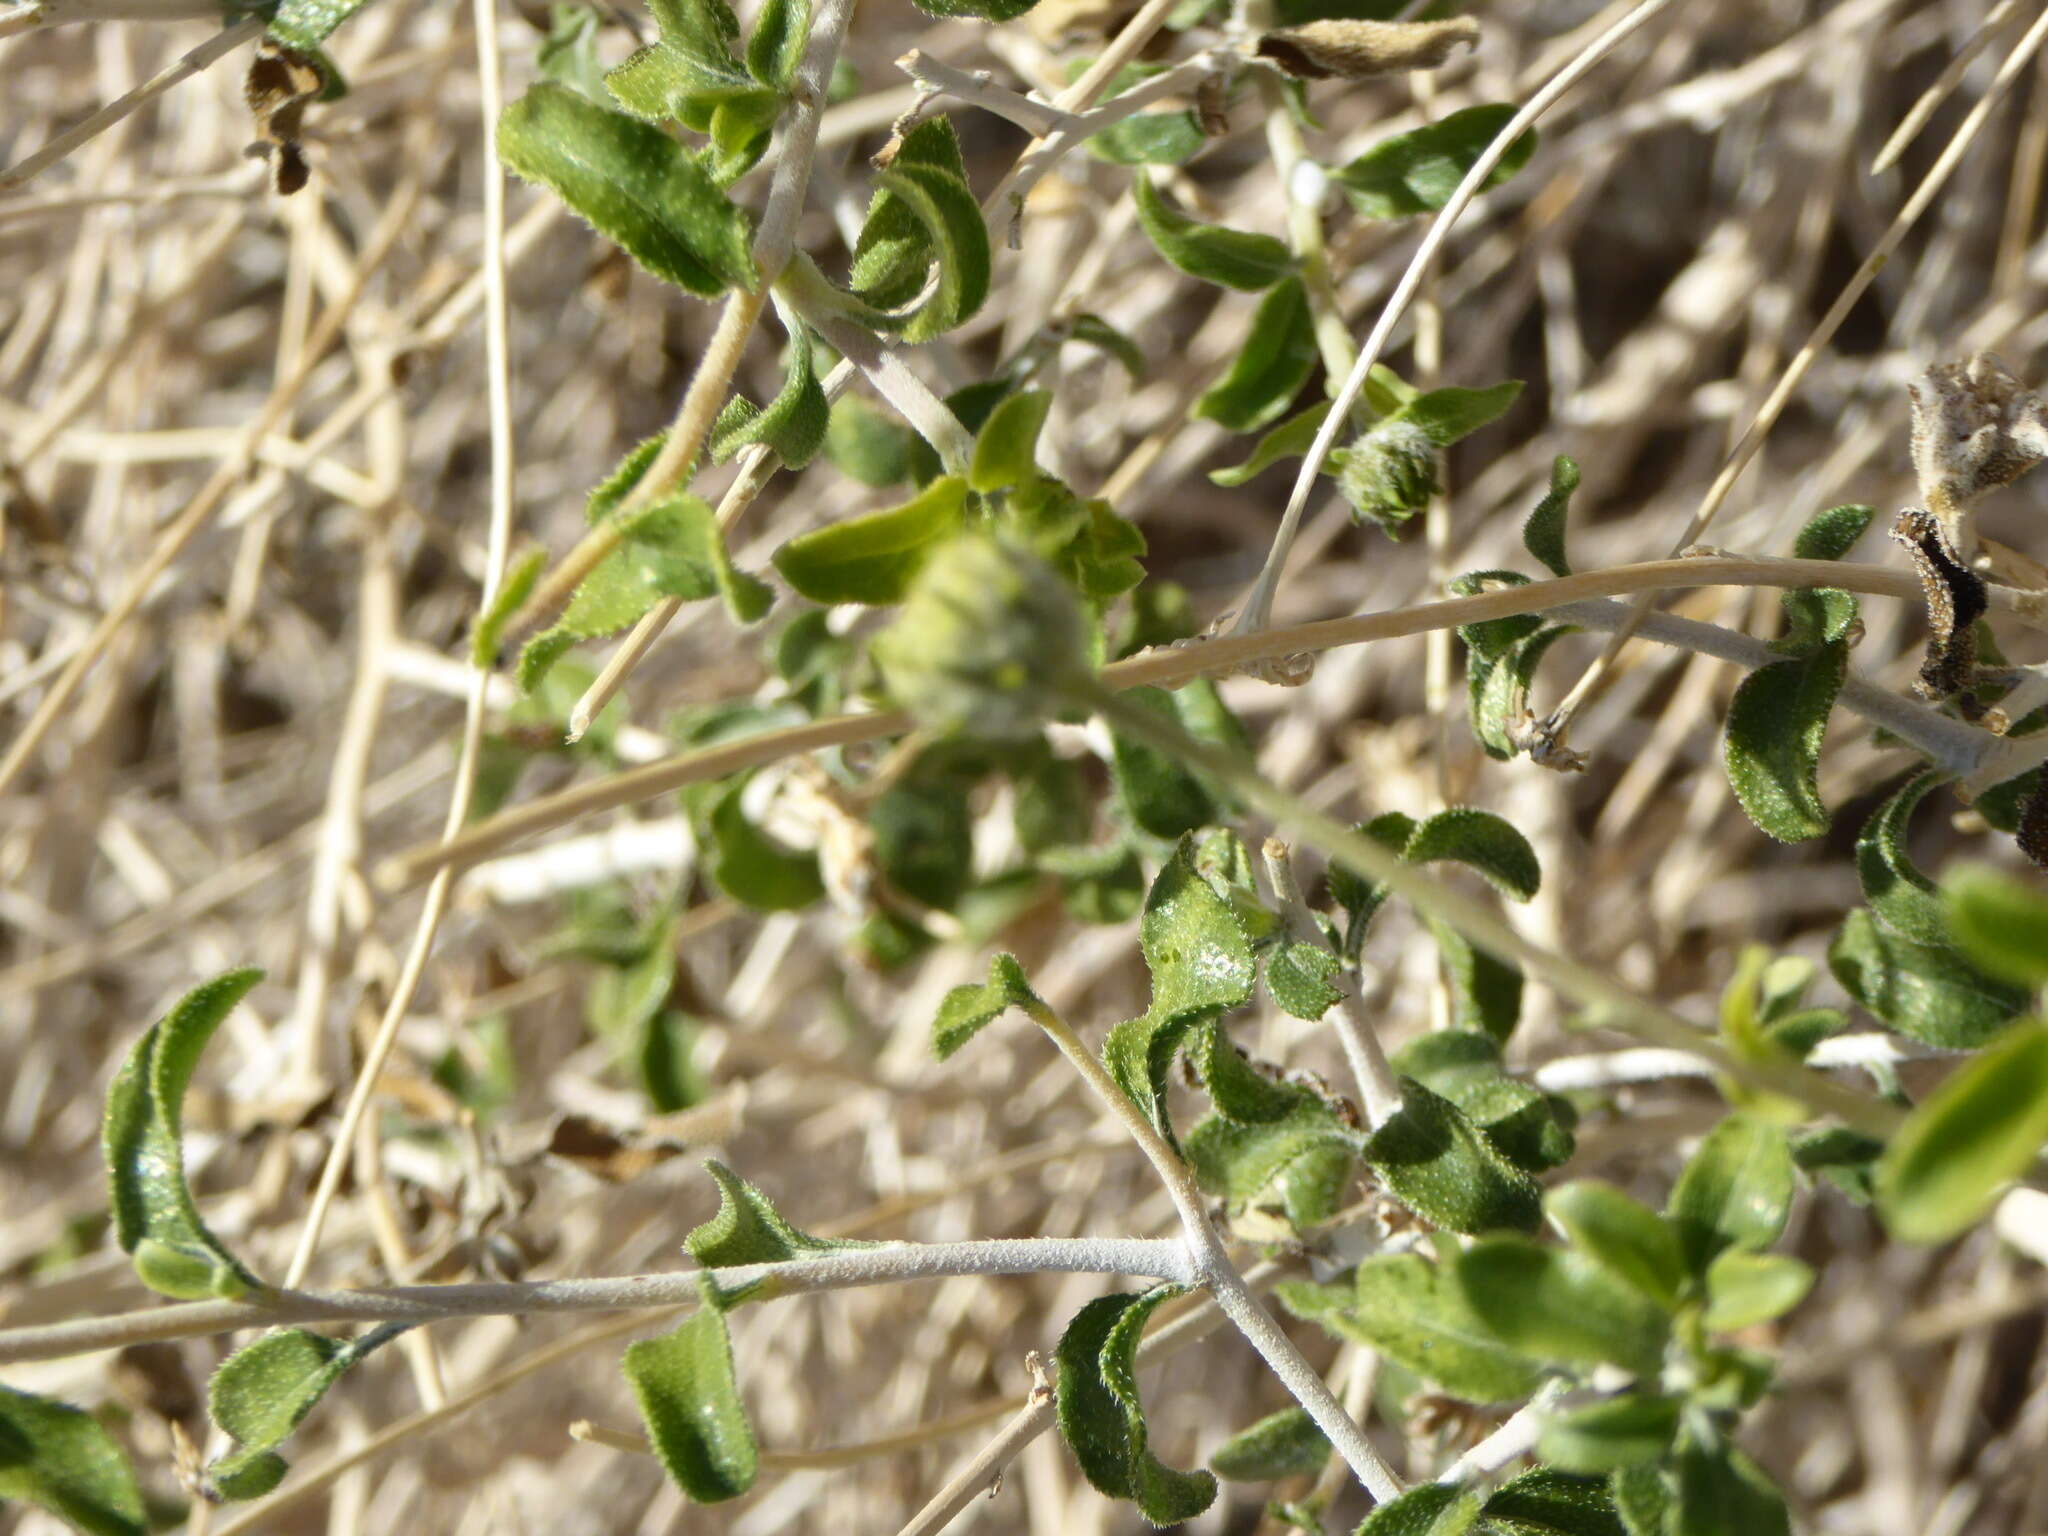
(1547, 1502)
(967, 1008)
(1982, 1128)
(1901, 898)
(1416, 172)
(1999, 922)
(1434, 1509)
(923, 216)
(1628, 1237)
(1480, 840)
(1554, 1304)
(1414, 1313)
(1101, 1418)
(303, 25)
(1720, 1490)
(690, 1403)
(777, 46)
(1734, 1192)
(1201, 966)
(1290, 440)
(1006, 448)
(1298, 978)
(62, 1459)
(1277, 358)
(1448, 1171)
(749, 1230)
(794, 423)
(155, 1219)
(1543, 535)
(873, 558)
(1283, 1444)
(1486, 991)
(633, 184)
(1748, 1288)
(1775, 725)
(1934, 995)
(1817, 616)
(1229, 257)
(1624, 1431)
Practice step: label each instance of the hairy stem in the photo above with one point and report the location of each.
(1150, 1258)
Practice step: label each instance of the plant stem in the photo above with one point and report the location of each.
(1379, 1090)
(1170, 667)
(1618, 1007)
(1258, 605)
(1145, 1257)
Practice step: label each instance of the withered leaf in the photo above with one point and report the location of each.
(1358, 50)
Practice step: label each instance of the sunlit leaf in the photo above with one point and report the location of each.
(1556, 1305)
(1772, 751)
(1100, 1415)
(62, 1459)
(1981, 1129)
(155, 1218)
(1417, 171)
(1267, 372)
(690, 1403)
(965, 1009)
(1228, 257)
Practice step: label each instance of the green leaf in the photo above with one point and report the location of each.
(1720, 1490)
(867, 444)
(244, 1474)
(1277, 358)
(777, 46)
(1482, 841)
(1298, 976)
(154, 1216)
(985, 10)
(1290, 440)
(1445, 1169)
(1094, 331)
(1201, 966)
(1645, 1498)
(1543, 535)
(1981, 1129)
(1006, 448)
(633, 184)
(1229, 257)
(1415, 1314)
(1283, 1444)
(1240, 1159)
(1900, 897)
(1775, 725)
(1416, 172)
(1101, 1418)
(1434, 1509)
(753, 869)
(1934, 995)
(749, 1230)
(1162, 797)
(1624, 1431)
(923, 214)
(303, 25)
(1486, 991)
(1734, 1192)
(1748, 1288)
(1532, 1129)
(1999, 922)
(893, 256)
(264, 1390)
(1556, 1305)
(1625, 1235)
(794, 423)
(690, 1403)
(967, 1008)
(690, 71)
(1817, 616)
(62, 1459)
(1390, 473)
(873, 558)
(1547, 1502)
(512, 593)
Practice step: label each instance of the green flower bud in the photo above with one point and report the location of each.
(1389, 474)
(989, 642)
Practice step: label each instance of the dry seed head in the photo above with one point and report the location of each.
(1974, 430)
(1358, 50)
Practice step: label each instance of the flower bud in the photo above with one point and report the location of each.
(989, 642)
(1389, 474)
